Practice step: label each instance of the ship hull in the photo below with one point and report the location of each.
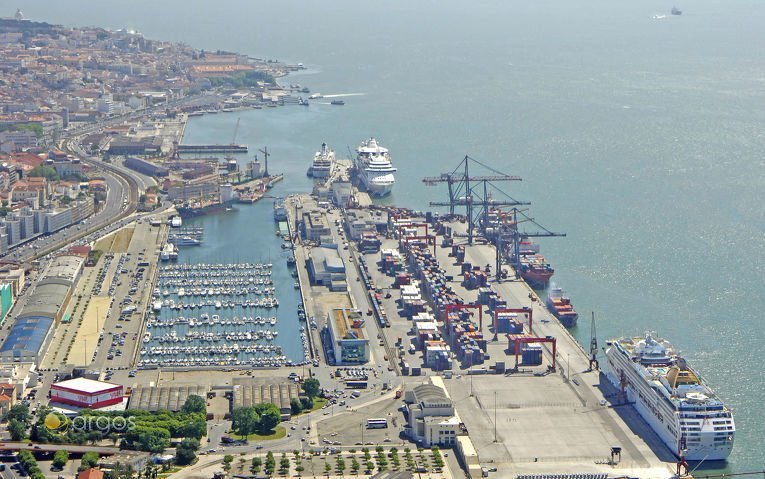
(188, 212)
(652, 408)
(537, 279)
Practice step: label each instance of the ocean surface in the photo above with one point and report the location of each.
(639, 134)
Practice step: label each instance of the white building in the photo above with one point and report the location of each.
(349, 344)
(431, 417)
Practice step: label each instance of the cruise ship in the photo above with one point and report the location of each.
(673, 399)
(374, 168)
(323, 163)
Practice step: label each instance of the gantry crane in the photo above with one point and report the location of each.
(464, 190)
(509, 239)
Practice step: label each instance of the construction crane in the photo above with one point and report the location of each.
(464, 190)
(509, 239)
(594, 365)
(236, 131)
(266, 154)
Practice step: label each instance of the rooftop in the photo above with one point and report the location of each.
(85, 385)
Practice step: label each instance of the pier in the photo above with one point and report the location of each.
(211, 149)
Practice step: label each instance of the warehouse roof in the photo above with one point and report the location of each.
(26, 337)
(85, 385)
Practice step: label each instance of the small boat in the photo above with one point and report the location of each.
(337, 102)
(676, 11)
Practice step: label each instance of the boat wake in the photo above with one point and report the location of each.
(340, 95)
(659, 17)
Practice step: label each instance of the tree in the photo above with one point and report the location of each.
(256, 465)
(47, 172)
(89, 459)
(311, 387)
(60, 458)
(194, 404)
(19, 412)
(306, 402)
(355, 466)
(270, 417)
(296, 406)
(245, 420)
(185, 453)
(299, 469)
(227, 460)
(327, 468)
(17, 429)
(270, 462)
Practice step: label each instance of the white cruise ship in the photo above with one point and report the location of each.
(374, 168)
(323, 163)
(673, 399)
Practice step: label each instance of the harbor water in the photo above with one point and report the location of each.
(638, 133)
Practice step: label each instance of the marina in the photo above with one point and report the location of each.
(213, 314)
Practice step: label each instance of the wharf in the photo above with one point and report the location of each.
(211, 149)
(531, 421)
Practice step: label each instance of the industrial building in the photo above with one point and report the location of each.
(326, 267)
(86, 393)
(315, 225)
(349, 345)
(145, 167)
(170, 398)
(251, 391)
(431, 418)
(33, 329)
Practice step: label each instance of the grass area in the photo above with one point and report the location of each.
(277, 433)
(318, 403)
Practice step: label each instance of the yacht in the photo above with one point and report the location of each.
(374, 168)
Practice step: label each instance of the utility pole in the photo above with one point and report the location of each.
(495, 416)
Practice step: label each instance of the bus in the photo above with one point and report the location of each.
(377, 423)
(356, 384)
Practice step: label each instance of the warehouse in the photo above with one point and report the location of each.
(86, 393)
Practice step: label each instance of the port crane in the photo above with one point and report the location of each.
(465, 190)
(236, 132)
(594, 365)
(266, 154)
(509, 239)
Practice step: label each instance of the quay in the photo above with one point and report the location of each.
(211, 148)
(557, 417)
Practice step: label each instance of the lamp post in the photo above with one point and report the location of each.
(568, 366)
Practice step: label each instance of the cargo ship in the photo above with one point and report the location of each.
(535, 270)
(671, 397)
(560, 306)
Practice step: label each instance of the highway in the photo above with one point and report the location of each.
(124, 187)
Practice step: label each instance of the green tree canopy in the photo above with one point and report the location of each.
(194, 404)
(311, 387)
(89, 459)
(17, 429)
(20, 412)
(60, 458)
(47, 172)
(245, 420)
(270, 417)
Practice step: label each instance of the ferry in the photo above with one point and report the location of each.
(672, 397)
(374, 168)
(323, 164)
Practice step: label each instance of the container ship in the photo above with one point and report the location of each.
(560, 306)
(672, 397)
(535, 270)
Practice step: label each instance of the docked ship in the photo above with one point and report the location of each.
(535, 270)
(200, 208)
(560, 306)
(323, 164)
(672, 398)
(280, 210)
(374, 168)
